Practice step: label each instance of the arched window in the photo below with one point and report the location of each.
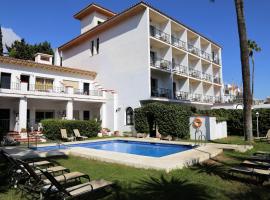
(129, 116)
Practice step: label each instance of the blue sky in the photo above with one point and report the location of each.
(51, 20)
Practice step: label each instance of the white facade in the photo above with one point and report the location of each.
(30, 92)
(146, 56)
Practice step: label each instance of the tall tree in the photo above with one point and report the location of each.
(1, 42)
(23, 50)
(253, 47)
(244, 52)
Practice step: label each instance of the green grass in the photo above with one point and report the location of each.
(206, 181)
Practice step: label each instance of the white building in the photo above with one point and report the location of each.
(31, 91)
(145, 56)
(232, 93)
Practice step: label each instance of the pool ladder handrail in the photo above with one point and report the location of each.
(200, 138)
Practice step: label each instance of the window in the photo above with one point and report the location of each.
(45, 58)
(40, 115)
(86, 115)
(129, 116)
(5, 80)
(44, 84)
(99, 22)
(97, 45)
(92, 47)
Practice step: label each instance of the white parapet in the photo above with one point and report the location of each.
(210, 128)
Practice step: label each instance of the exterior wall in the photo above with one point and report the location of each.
(91, 21)
(58, 77)
(122, 63)
(211, 130)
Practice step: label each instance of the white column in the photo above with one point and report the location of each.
(69, 110)
(22, 113)
(103, 115)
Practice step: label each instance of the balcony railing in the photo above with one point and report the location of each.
(161, 92)
(49, 89)
(207, 77)
(208, 99)
(178, 43)
(88, 92)
(196, 97)
(46, 88)
(11, 86)
(193, 49)
(161, 64)
(156, 33)
(206, 55)
(181, 95)
(217, 99)
(180, 69)
(216, 60)
(217, 80)
(194, 73)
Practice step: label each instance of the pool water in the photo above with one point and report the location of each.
(124, 146)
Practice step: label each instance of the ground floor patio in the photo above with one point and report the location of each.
(17, 114)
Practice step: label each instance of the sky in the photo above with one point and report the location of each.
(52, 20)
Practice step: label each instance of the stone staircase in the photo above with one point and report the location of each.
(33, 137)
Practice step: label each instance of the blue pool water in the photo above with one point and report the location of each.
(131, 147)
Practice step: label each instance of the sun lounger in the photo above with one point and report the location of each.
(262, 158)
(260, 174)
(256, 164)
(61, 178)
(168, 137)
(65, 136)
(266, 153)
(265, 138)
(78, 135)
(77, 191)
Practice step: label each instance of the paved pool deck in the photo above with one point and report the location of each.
(166, 163)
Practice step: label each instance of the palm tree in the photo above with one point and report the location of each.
(253, 47)
(247, 99)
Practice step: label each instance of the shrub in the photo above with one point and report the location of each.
(51, 127)
(234, 120)
(171, 119)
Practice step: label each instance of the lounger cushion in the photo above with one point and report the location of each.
(86, 187)
(66, 177)
(40, 163)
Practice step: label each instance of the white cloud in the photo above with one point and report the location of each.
(9, 36)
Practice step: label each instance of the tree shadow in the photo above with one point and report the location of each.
(160, 188)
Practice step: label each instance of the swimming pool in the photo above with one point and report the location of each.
(124, 146)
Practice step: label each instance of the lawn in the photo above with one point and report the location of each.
(209, 180)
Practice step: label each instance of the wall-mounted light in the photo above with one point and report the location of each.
(118, 109)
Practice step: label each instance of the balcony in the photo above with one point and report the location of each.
(208, 99)
(156, 33)
(178, 43)
(161, 64)
(216, 61)
(206, 56)
(193, 50)
(41, 89)
(217, 99)
(194, 73)
(217, 80)
(181, 95)
(161, 92)
(180, 69)
(196, 97)
(207, 77)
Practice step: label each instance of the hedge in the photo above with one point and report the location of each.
(234, 120)
(171, 119)
(51, 127)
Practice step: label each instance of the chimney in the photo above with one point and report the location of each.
(43, 58)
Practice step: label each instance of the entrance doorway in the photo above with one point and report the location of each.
(25, 79)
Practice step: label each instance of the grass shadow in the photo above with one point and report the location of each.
(160, 188)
